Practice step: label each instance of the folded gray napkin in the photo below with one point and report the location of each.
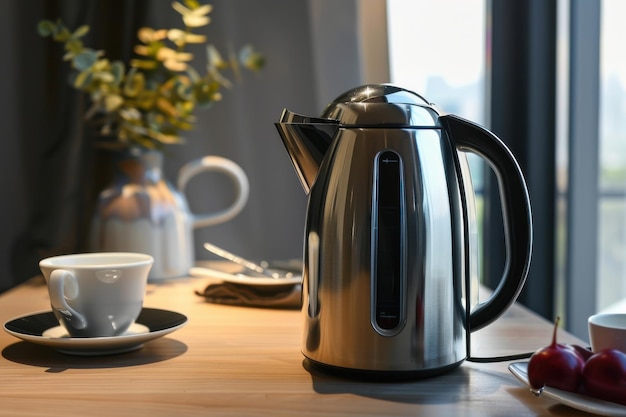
(275, 296)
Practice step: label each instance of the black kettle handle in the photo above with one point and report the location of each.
(518, 235)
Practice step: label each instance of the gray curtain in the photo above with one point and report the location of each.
(524, 67)
(52, 149)
(51, 172)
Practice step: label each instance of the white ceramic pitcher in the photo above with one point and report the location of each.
(143, 212)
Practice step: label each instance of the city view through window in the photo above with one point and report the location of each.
(455, 82)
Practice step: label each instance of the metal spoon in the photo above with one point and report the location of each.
(252, 266)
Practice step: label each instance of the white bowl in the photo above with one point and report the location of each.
(607, 331)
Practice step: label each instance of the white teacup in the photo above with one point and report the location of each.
(97, 294)
(607, 331)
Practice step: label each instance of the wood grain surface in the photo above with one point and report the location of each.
(242, 361)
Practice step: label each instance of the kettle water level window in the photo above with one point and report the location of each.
(389, 243)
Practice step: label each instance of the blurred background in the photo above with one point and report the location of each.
(544, 75)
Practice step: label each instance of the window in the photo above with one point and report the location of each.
(595, 265)
(427, 58)
(590, 111)
(611, 282)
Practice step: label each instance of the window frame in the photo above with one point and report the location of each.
(582, 193)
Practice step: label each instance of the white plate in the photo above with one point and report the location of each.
(203, 270)
(571, 399)
(43, 329)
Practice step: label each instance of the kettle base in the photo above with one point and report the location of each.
(378, 376)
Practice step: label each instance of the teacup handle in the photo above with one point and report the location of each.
(232, 171)
(62, 286)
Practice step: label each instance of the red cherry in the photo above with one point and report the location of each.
(558, 366)
(584, 352)
(604, 376)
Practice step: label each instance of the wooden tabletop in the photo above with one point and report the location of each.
(243, 361)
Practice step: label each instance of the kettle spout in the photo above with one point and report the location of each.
(307, 139)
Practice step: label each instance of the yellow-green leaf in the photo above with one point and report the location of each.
(117, 69)
(134, 84)
(181, 37)
(146, 99)
(192, 4)
(174, 65)
(251, 59)
(165, 138)
(113, 102)
(193, 74)
(85, 60)
(196, 17)
(61, 33)
(74, 46)
(104, 76)
(196, 21)
(183, 125)
(82, 80)
(142, 50)
(130, 114)
(185, 91)
(214, 57)
(147, 35)
(81, 31)
(166, 107)
(144, 64)
(46, 28)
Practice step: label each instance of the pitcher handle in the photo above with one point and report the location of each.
(516, 213)
(224, 166)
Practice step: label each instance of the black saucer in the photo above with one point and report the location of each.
(44, 329)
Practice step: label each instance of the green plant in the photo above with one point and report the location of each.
(149, 104)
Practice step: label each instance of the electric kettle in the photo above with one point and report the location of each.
(386, 275)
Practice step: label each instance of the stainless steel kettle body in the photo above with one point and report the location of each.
(386, 258)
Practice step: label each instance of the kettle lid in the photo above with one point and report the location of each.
(382, 104)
